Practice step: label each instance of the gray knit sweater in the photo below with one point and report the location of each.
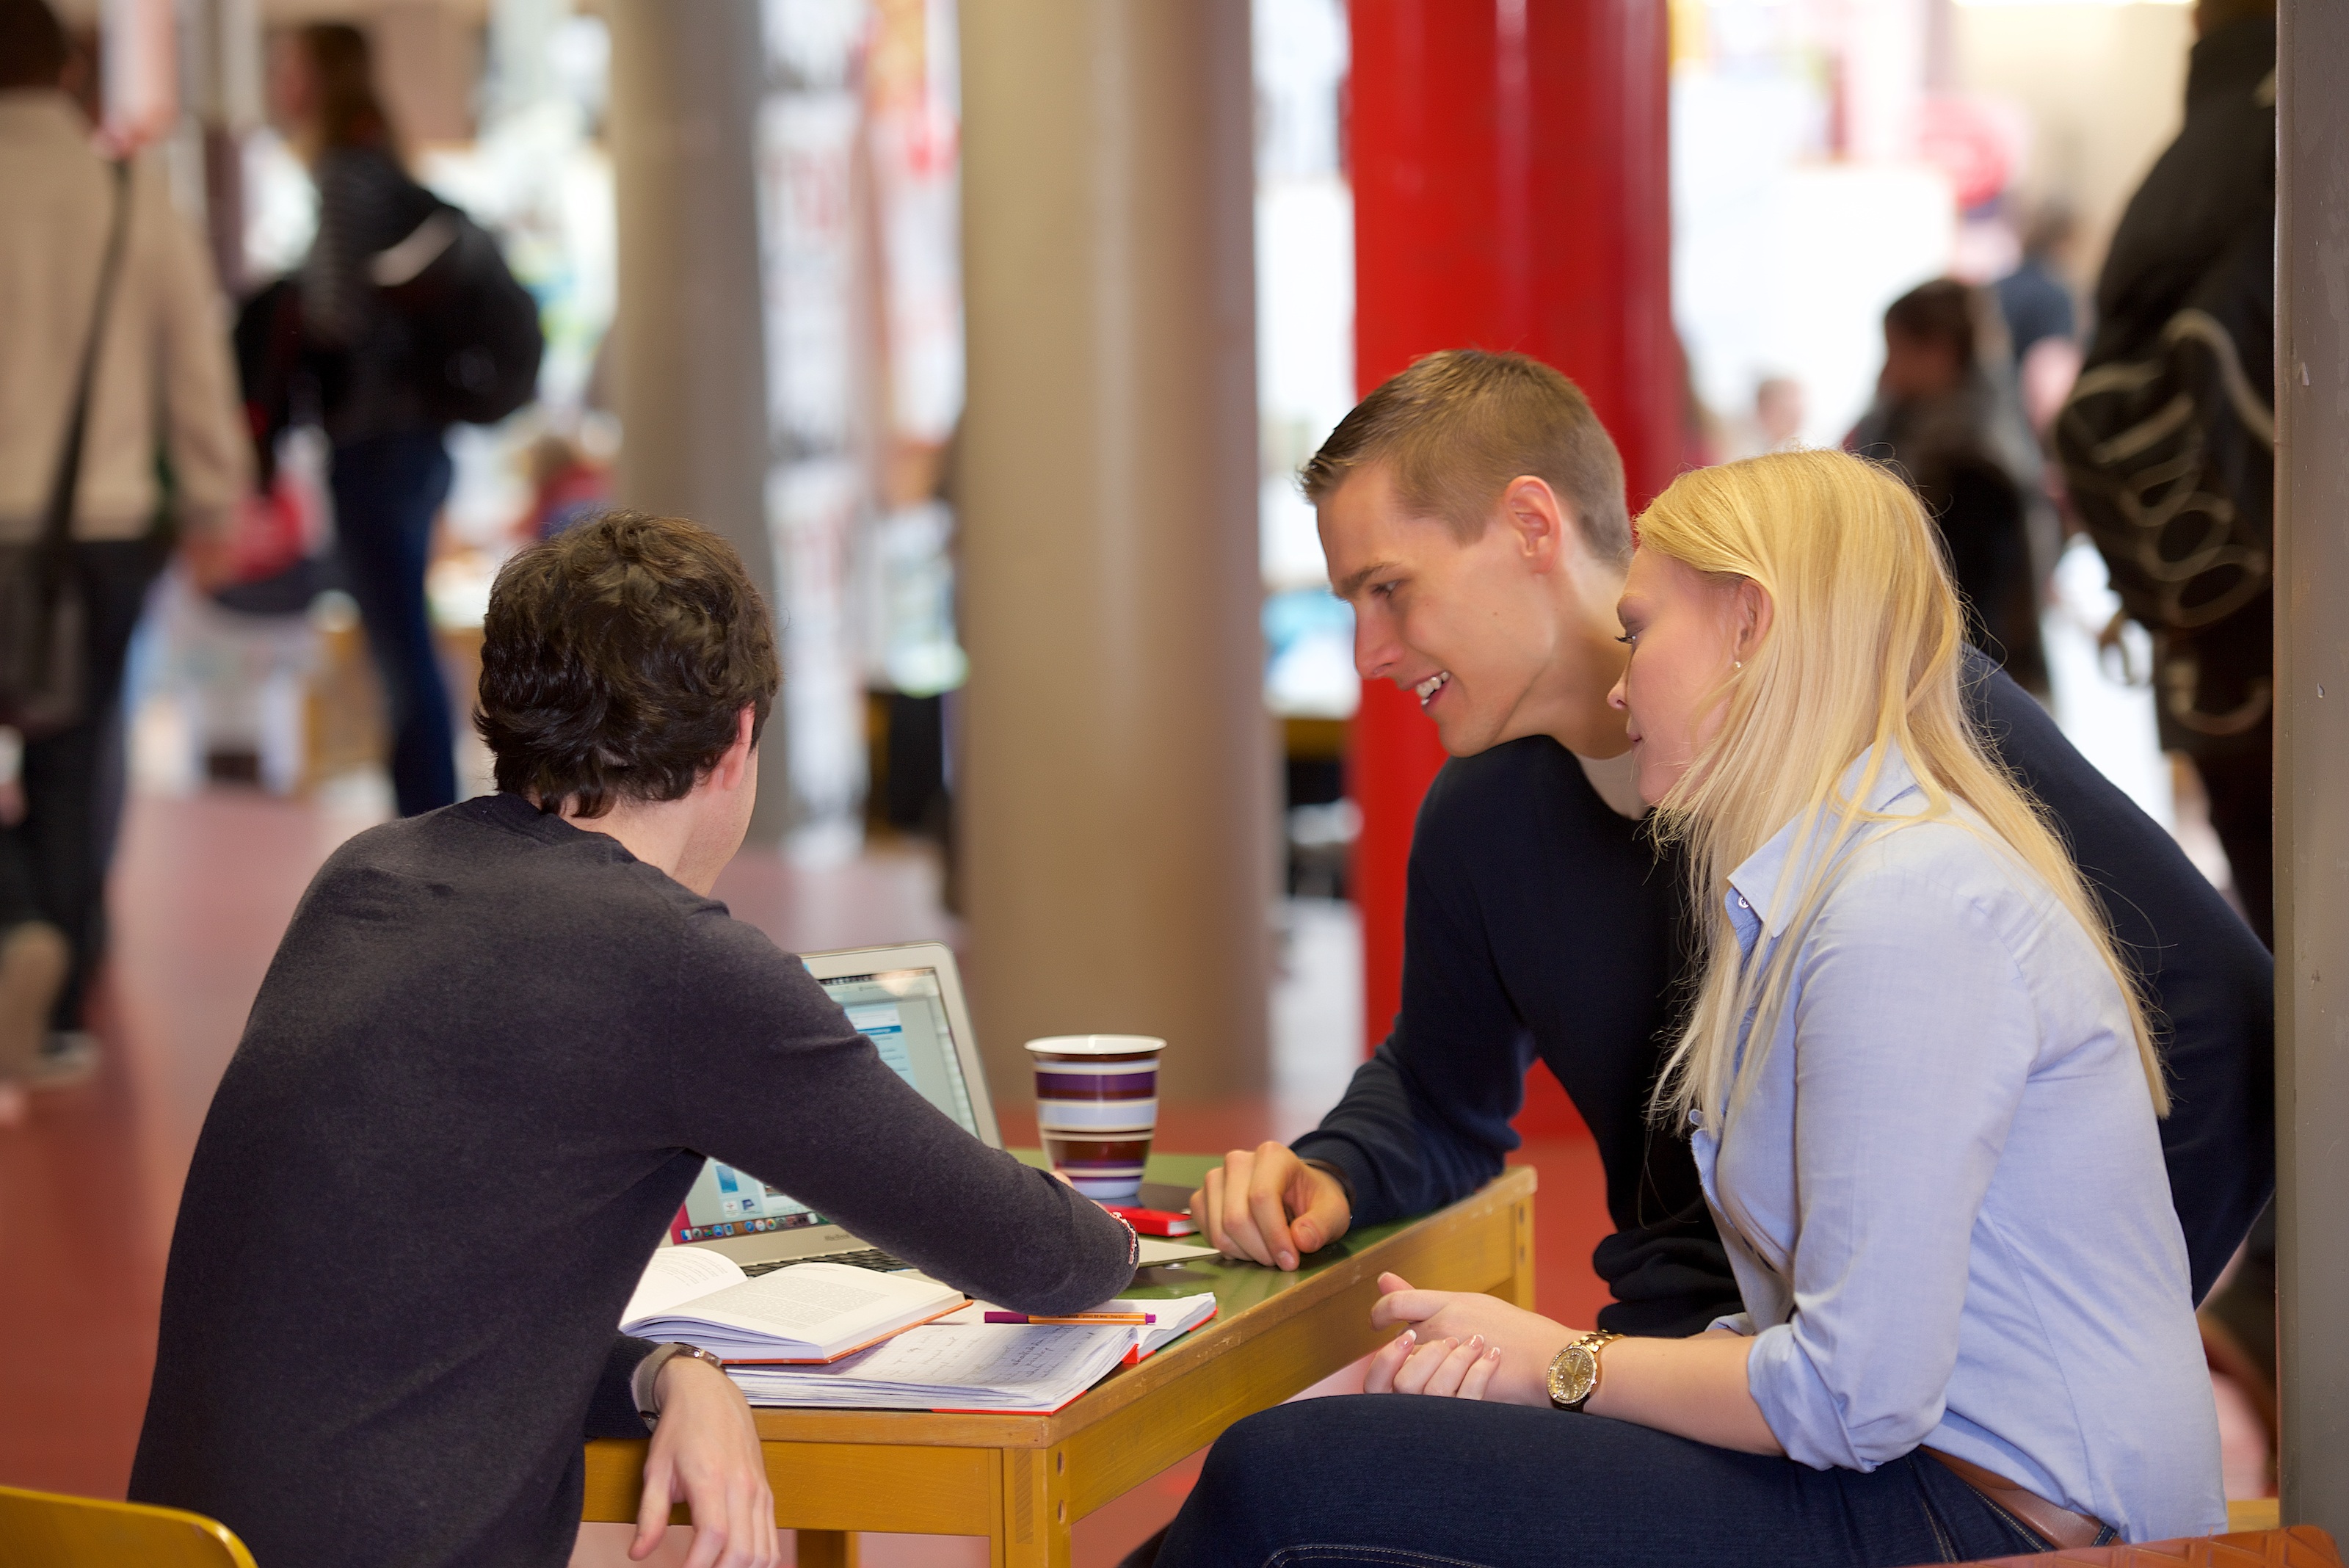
(483, 1069)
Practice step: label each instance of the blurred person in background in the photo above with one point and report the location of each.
(1944, 418)
(2183, 508)
(567, 486)
(2034, 298)
(160, 398)
(390, 468)
(1774, 424)
(1778, 412)
(2043, 318)
(2186, 308)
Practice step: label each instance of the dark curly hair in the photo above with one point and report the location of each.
(616, 659)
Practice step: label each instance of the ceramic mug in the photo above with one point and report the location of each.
(1096, 1107)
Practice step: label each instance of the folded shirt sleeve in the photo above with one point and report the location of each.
(1908, 1072)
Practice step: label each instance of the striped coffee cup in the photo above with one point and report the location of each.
(1096, 1107)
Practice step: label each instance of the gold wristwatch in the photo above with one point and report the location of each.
(1574, 1371)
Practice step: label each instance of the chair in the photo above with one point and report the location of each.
(48, 1530)
(2302, 1546)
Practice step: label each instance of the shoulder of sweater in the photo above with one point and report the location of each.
(1504, 791)
(487, 837)
(1519, 821)
(2024, 735)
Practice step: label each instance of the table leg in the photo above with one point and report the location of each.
(1520, 1288)
(1035, 1529)
(826, 1549)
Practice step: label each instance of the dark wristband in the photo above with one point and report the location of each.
(1335, 1175)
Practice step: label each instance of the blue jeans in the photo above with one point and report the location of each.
(1404, 1481)
(388, 491)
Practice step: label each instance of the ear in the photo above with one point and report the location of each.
(1753, 616)
(734, 764)
(1536, 518)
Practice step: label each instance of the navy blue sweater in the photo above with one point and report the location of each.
(1542, 925)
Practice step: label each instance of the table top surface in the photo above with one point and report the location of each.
(1264, 1296)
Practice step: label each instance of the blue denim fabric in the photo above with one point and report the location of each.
(1406, 1481)
(388, 490)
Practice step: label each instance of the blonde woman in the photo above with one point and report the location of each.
(1923, 1097)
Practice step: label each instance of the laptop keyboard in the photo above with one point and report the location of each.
(872, 1258)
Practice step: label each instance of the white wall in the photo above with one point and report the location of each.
(2104, 86)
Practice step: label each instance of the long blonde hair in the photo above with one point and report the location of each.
(1862, 651)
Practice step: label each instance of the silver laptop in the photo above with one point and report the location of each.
(907, 1000)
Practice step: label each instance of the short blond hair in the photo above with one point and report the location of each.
(1456, 427)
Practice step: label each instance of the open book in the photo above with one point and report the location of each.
(807, 1312)
(966, 1364)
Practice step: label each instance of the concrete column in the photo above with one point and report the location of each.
(1116, 792)
(689, 371)
(220, 90)
(2311, 565)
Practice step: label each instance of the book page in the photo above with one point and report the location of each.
(677, 1276)
(825, 1307)
(1189, 1249)
(800, 1303)
(995, 1359)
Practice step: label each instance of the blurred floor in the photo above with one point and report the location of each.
(205, 885)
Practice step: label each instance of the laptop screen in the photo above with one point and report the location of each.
(903, 1012)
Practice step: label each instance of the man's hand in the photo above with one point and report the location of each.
(705, 1453)
(1463, 1343)
(1270, 1206)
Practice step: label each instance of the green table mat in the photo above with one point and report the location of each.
(1238, 1285)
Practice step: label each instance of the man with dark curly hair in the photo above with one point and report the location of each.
(375, 1349)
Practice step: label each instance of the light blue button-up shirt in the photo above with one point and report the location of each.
(1944, 1197)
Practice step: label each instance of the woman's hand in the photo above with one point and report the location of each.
(705, 1454)
(1463, 1345)
(1693, 1388)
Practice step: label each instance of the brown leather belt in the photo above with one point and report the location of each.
(2062, 1529)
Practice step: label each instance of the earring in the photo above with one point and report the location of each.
(1739, 662)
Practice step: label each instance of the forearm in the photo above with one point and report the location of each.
(1690, 1387)
(866, 1151)
(1398, 1157)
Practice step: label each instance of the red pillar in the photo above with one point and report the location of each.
(1511, 191)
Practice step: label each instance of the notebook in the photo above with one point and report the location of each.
(807, 1312)
(963, 1364)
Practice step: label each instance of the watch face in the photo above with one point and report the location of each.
(1572, 1376)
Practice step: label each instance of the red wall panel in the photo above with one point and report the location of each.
(1511, 191)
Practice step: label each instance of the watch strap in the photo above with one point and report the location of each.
(1589, 1345)
(644, 1383)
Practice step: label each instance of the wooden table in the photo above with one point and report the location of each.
(1022, 1480)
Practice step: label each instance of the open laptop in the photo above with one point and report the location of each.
(907, 1000)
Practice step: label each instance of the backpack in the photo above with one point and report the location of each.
(475, 329)
(2169, 455)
